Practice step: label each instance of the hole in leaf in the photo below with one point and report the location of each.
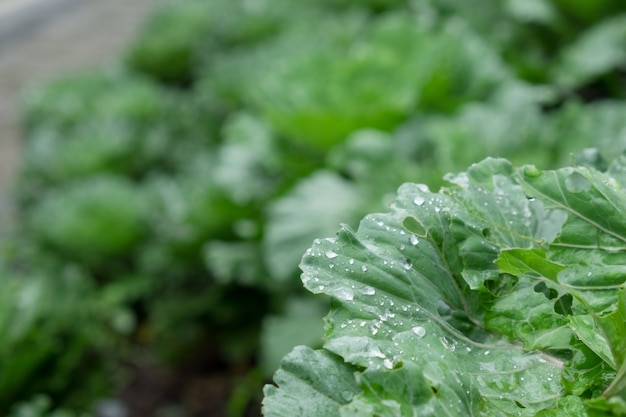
(549, 293)
(564, 305)
(587, 394)
(576, 183)
(434, 390)
(562, 354)
(519, 404)
(486, 232)
(414, 226)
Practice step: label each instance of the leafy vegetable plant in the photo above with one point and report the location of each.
(182, 186)
(500, 295)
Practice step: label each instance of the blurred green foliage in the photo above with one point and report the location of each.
(165, 202)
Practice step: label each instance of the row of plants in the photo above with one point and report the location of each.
(165, 202)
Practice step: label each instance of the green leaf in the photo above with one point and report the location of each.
(315, 206)
(317, 384)
(590, 334)
(359, 72)
(300, 324)
(525, 261)
(91, 219)
(248, 163)
(593, 237)
(483, 298)
(597, 51)
(614, 329)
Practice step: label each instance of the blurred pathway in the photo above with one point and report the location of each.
(45, 39)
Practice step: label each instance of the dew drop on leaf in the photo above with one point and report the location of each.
(331, 254)
(451, 346)
(369, 291)
(344, 294)
(363, 268)
(419, 331)
(413, 240)
(406, 263)
(347, 395)
(419, 200)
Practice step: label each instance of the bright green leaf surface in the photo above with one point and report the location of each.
(431, 301)
(520, 261)
(318, 381)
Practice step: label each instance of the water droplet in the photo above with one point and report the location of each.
(347, 395)
(387, 363)
(344, 294)
(423, 187)
(387, 315)
(351, 261)
(363, 268)
(419, 331)
(447, 343)
(413, 240)
(374, 352)
(381, 224)
(369, 290)
(486, 353)
(419, 200)
(406, 263)
(331, 254)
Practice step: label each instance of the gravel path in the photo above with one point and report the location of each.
(45, 39)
